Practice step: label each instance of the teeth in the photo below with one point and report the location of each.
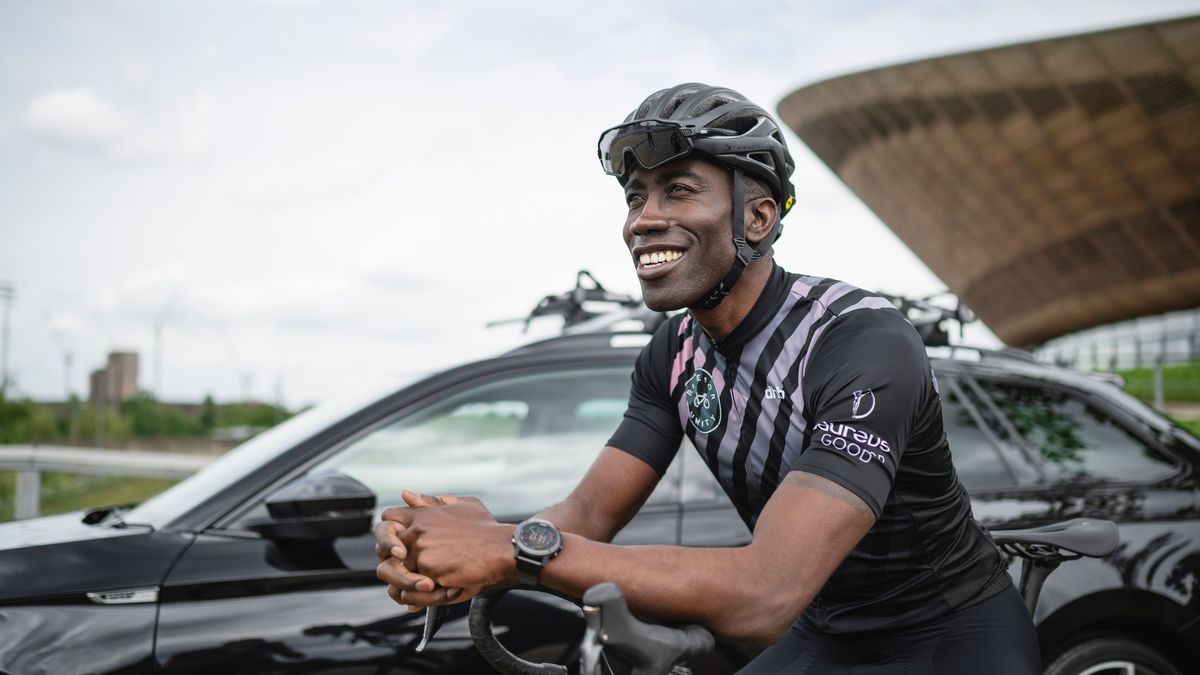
(659, 257)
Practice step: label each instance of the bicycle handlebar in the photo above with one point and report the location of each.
(650, 649)
(479, 621)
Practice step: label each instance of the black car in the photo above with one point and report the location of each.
(216, 575)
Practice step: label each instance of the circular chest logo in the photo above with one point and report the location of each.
(704, 404)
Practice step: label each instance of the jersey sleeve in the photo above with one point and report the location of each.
(866, 383)
(650, 429)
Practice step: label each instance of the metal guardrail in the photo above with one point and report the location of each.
(29, 461)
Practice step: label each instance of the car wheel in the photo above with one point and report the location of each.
(1110, 655)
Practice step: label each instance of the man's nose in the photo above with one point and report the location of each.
(651, 218)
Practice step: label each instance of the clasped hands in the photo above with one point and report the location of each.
(442, 550)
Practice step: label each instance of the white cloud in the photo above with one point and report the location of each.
(76, 115)
(81, 117)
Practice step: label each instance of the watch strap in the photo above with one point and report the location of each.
(529, 570)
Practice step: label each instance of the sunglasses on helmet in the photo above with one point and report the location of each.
(651, 142)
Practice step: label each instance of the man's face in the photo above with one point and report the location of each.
(679, 230)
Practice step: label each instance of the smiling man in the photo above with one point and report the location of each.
(812, 402)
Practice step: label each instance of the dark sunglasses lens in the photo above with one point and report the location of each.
(650, 147)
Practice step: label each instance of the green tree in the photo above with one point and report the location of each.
(23, 421)
(116, 426)
(145, 416)
(252, 415)
(151, 419)
(72, 419)
(208, 414)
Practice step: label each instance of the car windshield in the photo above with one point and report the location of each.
(162, 509)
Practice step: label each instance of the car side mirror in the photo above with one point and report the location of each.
(324, 505)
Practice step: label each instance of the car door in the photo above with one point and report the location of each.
(520, 441)
(989, 457)
(1096, 460)
(1089, 457)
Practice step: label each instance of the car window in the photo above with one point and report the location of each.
(163, 509)
(518, 443)
(975, 458)
(1077, 441)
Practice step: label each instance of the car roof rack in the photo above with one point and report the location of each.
(630, 323)
(930, 318)
(591, 326)
(580, 314)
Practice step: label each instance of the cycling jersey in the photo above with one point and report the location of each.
(829, 379)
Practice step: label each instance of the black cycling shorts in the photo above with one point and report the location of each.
(993, 637)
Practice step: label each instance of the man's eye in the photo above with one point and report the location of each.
(632, 199)
(679, 188)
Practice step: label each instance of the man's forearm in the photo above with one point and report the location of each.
(573, 515)
(753, 592)
(662, 581)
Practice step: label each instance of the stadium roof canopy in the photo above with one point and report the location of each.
(1053, 185)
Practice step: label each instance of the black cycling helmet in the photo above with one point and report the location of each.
(720, 125)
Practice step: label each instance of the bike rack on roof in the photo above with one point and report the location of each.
(585, 324)
(930, 318)
(577, 307)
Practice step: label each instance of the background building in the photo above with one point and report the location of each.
(117, 382)
(1054, 185)
(1162, 339)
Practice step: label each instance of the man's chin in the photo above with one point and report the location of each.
(664, 302)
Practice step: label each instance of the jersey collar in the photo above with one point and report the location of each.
(768, 303)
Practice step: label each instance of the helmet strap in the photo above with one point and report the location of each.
(746, 253)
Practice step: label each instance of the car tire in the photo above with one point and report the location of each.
(1110, 655)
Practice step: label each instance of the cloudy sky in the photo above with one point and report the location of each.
(310, 197)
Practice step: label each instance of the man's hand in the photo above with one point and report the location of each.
(392, 553)
(441, 550)
(387, 532)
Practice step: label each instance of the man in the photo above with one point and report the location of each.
(813, 403)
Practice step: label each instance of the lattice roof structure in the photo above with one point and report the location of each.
(1053, 185)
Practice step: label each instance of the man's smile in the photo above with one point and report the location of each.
(655, 258)
(656, 263)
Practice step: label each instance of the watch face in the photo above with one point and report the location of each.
(538, 538)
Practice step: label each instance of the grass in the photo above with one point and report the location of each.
(65, 492)
(1180, 383)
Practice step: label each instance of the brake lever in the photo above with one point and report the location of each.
(433, 621)
(592, 648)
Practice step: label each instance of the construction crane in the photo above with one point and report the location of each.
(8, 293)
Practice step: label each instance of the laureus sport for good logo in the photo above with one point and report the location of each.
(704, 404)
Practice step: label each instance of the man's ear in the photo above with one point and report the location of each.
(760, 218)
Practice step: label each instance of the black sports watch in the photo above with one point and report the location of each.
(535, 543)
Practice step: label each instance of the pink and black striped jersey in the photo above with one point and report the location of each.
(830, 379)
